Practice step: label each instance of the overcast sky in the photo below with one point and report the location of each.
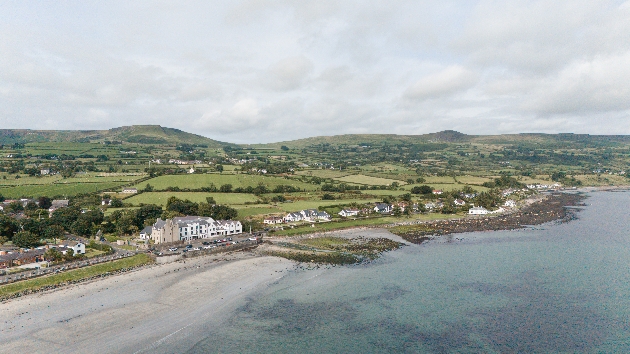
(264, 71)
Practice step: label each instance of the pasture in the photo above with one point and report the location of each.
(368, 180)
(198, 181)
(160, 198)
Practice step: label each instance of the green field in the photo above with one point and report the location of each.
(59, 189)
(324, 173)
(368, 180)
(197, 181)
(160, 198)
(262, 209)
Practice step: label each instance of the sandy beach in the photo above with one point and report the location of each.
(163, 308)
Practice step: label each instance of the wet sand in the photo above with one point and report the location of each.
(164, 308)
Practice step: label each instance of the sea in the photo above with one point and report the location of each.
(552, 288)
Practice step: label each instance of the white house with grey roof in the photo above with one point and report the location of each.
(188, 228)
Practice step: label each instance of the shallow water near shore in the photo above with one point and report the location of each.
(552, 288)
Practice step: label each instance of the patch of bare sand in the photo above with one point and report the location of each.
(164, 308)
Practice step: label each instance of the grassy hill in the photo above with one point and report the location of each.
(142, 134)
(450, 136)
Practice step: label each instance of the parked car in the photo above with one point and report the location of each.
(196, 249)
(189, 246)
(205, 243)
(173, 249)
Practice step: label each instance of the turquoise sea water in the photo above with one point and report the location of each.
(561, 288)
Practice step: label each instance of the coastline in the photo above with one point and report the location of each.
(147, 310)
(548, 208)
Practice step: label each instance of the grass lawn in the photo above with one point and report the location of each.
(363, 179)
(160, 198)
(72, 275)
(197, 181)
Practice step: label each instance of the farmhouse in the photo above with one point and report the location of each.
(130, 190)
(189, 228)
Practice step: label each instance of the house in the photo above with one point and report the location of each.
(293, 217)
(478, 211)
(437, 191)
(430, 206)
(145, 234)
(106, 202)
(187, 228)
(192, 170)
(44, 171)
(76, 247)
(323, 216)
(383, 208)
(348, 212)
(309, 214)
(459, 202)
(509, 203)
(271, 220)
(130, 190)
(13, 259)
(56, 204)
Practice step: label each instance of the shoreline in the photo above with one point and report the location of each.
(553, 207)
(153, 309)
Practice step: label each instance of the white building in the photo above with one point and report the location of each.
(189, 228)
(349, 212)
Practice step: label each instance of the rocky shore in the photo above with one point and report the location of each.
(550, 208)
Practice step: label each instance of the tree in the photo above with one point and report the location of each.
(116, 203)
(64, 217)
(328, 196)
(147, 212)
(69, 255)
(44, 202)
(226, 188)
(210, 200)
(218, 168)
(53, 255)
(148, 188)
(397, 211)
(53, 232)
(284, 148)
(25, 239)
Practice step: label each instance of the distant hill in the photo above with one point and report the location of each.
(141, 134)
(451, 136)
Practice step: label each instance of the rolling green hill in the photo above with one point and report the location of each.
(142, 134)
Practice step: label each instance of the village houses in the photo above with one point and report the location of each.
(188, 228)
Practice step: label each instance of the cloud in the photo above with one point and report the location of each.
(448, 81)
(289, 73)
(262, 70)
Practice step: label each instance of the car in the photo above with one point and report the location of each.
(188, 246)
(214, 241)
(173, 249)
(205, 243)
(229, 239)
(207, 247)
(252, 239)
(185, 250)
(196, 249)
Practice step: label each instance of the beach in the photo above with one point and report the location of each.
(147, 310)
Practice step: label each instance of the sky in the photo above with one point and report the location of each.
(257, 71)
